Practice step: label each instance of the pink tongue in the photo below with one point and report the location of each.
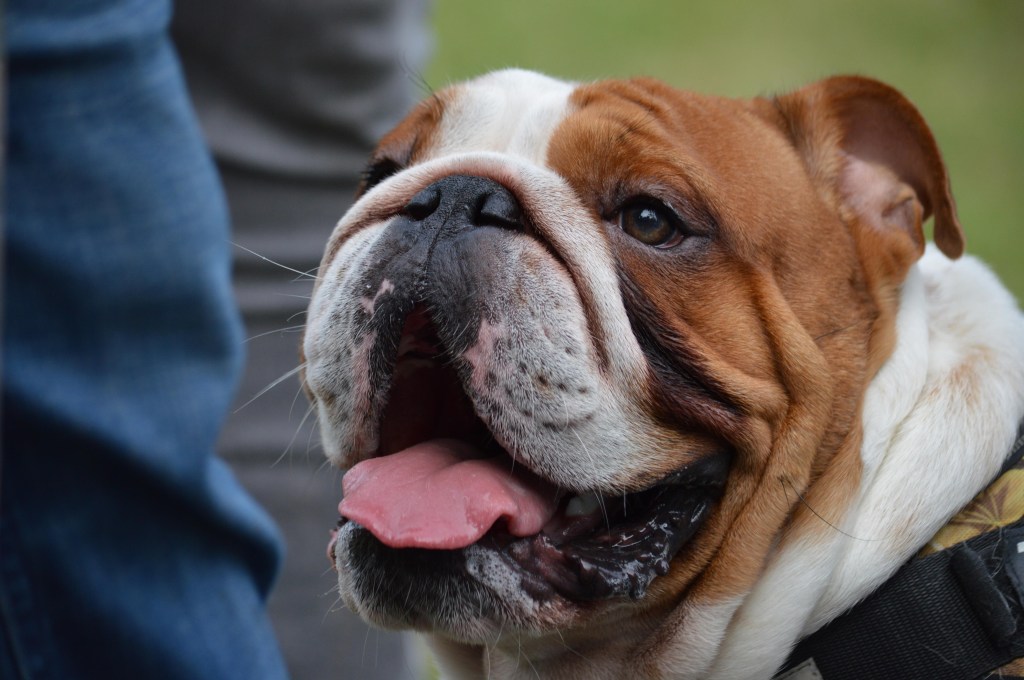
(434, 495)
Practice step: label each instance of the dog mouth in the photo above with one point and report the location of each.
(441, 481)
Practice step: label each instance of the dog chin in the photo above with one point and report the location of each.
(472, 595)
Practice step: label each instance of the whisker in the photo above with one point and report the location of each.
(316, 421)
(819, 516)
(309, 439)
(416, 76)
(272, 386)
(309, 273)
(842, 329)
(366, 639)
(526, 658)
(295, 399)
(558, 631)
(277, 264)
(586, 451)
(292, 441)
(325, 464)
(287, 329)
(313, 428)
(336, 606)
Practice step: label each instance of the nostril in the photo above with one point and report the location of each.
(459, 202)
(423, 204)
(500, 209)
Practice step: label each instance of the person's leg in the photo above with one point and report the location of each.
(126, 549)
(292, 98)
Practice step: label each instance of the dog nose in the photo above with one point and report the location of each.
(467, 201)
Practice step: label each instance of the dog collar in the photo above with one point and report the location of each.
(953, 612)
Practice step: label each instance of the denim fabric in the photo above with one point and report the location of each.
(127, 550)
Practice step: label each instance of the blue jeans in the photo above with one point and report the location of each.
(126, 549)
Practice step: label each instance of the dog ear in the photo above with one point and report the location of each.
(866, 145)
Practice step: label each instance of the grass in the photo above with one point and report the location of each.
(960, 62)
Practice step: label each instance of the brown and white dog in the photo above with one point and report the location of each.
(637, 382)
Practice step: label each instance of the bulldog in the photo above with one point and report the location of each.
(636, 382)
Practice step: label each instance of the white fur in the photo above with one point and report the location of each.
(699, 638)
(968, 419)
(939, 419)
(514, 112)
(324, 340)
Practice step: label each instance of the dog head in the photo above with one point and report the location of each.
(584, 348)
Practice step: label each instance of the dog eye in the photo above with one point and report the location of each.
(376, 172)
(651, 223)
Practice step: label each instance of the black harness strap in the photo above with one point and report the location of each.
(954, 615)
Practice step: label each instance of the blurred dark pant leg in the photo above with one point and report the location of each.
(292, 97)
(126, 548)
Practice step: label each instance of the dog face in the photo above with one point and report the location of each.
(584, 347)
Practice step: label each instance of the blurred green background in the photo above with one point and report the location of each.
(960, 61)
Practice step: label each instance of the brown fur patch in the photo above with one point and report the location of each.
(731, 318)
